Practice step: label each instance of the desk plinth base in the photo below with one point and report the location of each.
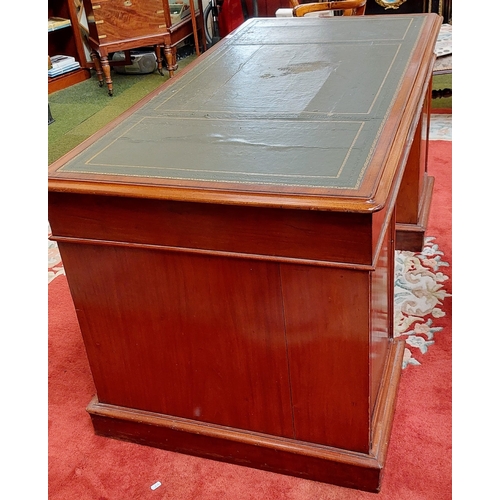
(271, 453)
(411, 237)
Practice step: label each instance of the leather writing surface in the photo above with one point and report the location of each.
(283, 102)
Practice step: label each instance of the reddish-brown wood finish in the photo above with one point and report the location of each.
(268, 232)
(415, 193)
(272, 453)
(245, 325)
(328, 336)
(262, 451)
(207, 352)
(197, 328)
(381, 313)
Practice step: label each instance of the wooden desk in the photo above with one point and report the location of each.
(229, 245)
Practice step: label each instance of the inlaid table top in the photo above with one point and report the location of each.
(291, 112)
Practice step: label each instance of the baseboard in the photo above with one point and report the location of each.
(271, 453)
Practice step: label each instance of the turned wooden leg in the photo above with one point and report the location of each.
(106, 68)
(98, 68)
(171, 57)
(158, 59)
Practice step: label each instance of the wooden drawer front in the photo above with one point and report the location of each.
(118, 20)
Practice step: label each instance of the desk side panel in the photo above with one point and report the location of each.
(327, 328)
(184, 335)
(410, 191)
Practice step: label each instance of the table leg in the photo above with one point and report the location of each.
(158, 59)
(107, 73)
(98, 67)
(171, 57)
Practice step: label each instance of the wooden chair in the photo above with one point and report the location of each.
(342, 7)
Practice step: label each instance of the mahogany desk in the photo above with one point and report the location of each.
(229, 246)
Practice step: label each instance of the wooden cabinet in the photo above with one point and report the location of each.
(66, 40)
(116, 25)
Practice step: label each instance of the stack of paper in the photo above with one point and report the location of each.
(62, 64)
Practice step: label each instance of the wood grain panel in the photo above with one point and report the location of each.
(381, 311)
(117, 22)
(325, 236)
(327, 328)
(415, 193)
(411, 185)
(181, 335)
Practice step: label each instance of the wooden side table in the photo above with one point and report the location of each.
(129, 24)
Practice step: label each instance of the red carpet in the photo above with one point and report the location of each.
(84, 466)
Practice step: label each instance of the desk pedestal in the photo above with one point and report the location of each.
(415, 195)
(256, 336)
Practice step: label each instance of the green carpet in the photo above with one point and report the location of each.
(440, 82)
(82, 109)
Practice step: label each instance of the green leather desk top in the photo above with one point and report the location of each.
(288, 106)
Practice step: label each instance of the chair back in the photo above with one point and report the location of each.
(343, 7)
